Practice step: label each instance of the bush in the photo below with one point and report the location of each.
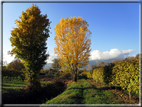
(89, 74)
(19, 78)
(84, 74)
(67, 75)
(126, 74)
(46, 71)
(57, 74)
(41, 73)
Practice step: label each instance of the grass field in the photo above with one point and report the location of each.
(16, 84)
(12, 93)
(83, 92)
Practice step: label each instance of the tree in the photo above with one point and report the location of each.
(137, 56)
(94, 66)
(55, 64)
(29, 43)
(16, 65)
(101, 64)
(73, 44)
(116, 61)
(89, 67)
(15, 68)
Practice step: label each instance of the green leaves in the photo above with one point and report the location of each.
(126, 74)
(29, 41)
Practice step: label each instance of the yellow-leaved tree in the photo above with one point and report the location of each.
(29, 43)
(73, 44)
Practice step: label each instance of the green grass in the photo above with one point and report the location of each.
(12, 94)
(83, 92)
(50, 74)
(16, 84)
(45, 83)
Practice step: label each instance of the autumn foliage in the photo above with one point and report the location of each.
(16, 65)
(29, 43)
(73, 44)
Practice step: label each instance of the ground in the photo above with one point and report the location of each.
(121, 95)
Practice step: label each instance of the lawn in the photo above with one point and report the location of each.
(16, 84)
(84, 92)
(81, 92)
(11, 93)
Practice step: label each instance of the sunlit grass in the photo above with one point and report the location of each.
(16, 84)
(84, 92)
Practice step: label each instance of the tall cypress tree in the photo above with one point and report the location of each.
(29, 43)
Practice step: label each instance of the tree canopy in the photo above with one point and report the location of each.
(16, 65)
(29, 43)
(73, 44)
(55, 65)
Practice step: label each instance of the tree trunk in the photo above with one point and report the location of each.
(75, 78)
(72, 74)
(129, 95)
(10, 76)
(115, 87)
(34, 85)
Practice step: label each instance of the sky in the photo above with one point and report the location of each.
(114, 26)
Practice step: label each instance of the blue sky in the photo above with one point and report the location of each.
(114, 26)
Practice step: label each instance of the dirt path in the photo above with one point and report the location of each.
(120, 95)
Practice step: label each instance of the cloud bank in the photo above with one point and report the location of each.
(113, 53)
(51, 57)
(95, 55)
(7, 58)
(10, 58)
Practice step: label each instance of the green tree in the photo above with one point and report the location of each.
(101, 64)
(16, 65)
(55, 65)
(94, 66)
(116, 61)
(29, 43)
(15, 68)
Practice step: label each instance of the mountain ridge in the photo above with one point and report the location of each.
(91, 62)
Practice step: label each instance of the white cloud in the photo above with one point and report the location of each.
(133, 56)
(128, 51)
(95, 55)
(113, 53)
(10, 58)
(51, 57)
(7, 57)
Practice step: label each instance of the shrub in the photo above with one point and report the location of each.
(84, 74)
(67, 75)
(57, 75)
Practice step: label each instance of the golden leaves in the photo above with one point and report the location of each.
(71, 40)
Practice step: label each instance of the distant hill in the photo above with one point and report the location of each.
(91, 62)
(48, 65)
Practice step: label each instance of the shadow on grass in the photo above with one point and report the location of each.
(102, 88)
(79, 97)
(29, 97)
(80, 100)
